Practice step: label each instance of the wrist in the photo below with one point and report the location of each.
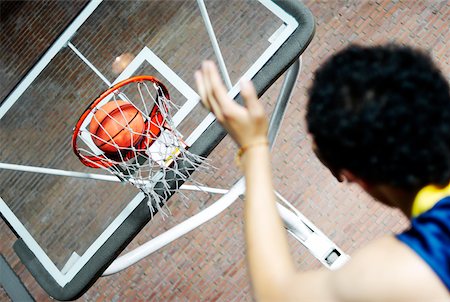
(257, 144)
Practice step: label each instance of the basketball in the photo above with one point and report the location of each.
(117, 124)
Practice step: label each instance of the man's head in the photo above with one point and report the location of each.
(382, 113)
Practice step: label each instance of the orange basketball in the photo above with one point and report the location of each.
(117, 124)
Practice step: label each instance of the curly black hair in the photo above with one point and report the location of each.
(383, 113)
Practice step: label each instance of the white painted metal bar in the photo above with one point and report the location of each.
(298, 226)
(311, 237)
(48, 56)
(290, 26)
(58, 172)
(88, 63)
(215, 44)
(177, 231)
(204, 189)
(103, 177)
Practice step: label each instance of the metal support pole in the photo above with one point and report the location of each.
(283, 99)
(214, 43)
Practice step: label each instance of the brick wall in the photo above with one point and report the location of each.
(209, 263)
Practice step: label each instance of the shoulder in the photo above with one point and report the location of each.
(385, 270)
(429, 238)
(388, 270)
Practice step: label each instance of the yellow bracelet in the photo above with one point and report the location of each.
(243, 149)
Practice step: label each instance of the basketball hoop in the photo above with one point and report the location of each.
(129, 131)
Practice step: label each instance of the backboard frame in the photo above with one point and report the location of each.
(73, 282)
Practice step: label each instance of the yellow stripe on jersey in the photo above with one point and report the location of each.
(427, 198)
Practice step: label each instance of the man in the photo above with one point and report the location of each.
(379, 117)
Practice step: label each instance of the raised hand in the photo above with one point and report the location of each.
(246, 125)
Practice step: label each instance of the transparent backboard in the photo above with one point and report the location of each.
(59, 217)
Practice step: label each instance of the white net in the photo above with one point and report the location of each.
(131, 134)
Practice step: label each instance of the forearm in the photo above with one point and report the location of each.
(268, 254)
(270, 262)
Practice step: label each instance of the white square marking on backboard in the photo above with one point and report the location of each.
(146, 55)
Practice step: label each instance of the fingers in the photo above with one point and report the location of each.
(219, 91)
(213, 92)
(207, 96)
(243, 123)
(248, 92)
(201, 89)
(216, 92)
(205, 88)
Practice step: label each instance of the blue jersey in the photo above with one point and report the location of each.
(429, 237)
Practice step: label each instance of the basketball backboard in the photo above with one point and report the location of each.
(70, 229)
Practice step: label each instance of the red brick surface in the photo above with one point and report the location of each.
(209, 264)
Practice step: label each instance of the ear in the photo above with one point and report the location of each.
(350, 177)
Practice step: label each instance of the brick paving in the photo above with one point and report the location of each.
(208, 264)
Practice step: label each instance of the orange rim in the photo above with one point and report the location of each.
(94, 161)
